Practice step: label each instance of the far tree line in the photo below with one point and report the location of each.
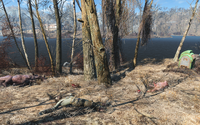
(165, 21)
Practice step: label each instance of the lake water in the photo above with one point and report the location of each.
(156, 48)
(161, 47)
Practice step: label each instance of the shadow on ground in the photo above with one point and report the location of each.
(151, 61)
(120, 73)
(59, 115)
(12, 110)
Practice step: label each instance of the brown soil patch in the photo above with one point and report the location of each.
(177, 104)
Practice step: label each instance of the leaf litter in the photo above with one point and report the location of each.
(177, 104)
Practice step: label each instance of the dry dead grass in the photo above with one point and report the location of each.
(177, 104)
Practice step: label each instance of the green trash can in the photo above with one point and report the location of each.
(186, 59)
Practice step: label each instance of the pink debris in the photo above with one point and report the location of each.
(19, 79)
(158, 86)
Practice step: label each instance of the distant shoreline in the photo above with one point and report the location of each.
(132, 37)
(126, 37)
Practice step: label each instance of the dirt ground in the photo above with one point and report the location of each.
(176, 105)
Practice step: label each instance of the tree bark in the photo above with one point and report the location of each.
(136, 50)
(110, 23)
(13, 33)
(74, 37)
(103, 21)
(45, 38)
(58, 41)
(103, 74)
(185, 34)
(138, 40)
(34, 35)
(116, 33)
(88, 55)
(22, 35)
(112, 18)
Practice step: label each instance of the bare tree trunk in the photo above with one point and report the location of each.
(185, 34)
(34, 35)
(136, 50)
(44, 36)
(112, 18)
(74, 37)
(77, 1)
(103, 74)
(13, 33)
(102, 9)
(116, 33)
(59, 41)
(22, 36)
(88, 56)
(110, 23)
(138, 37)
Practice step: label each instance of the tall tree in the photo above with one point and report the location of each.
(44, 36)
(88, 56)
(145, 28)
(112, 13)
(58, 37)
(103, 74)
(22, 35)
(34, 34)
(74, 37)
(103, 20)
(185, 34)
(12, 32)
(118, 12)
